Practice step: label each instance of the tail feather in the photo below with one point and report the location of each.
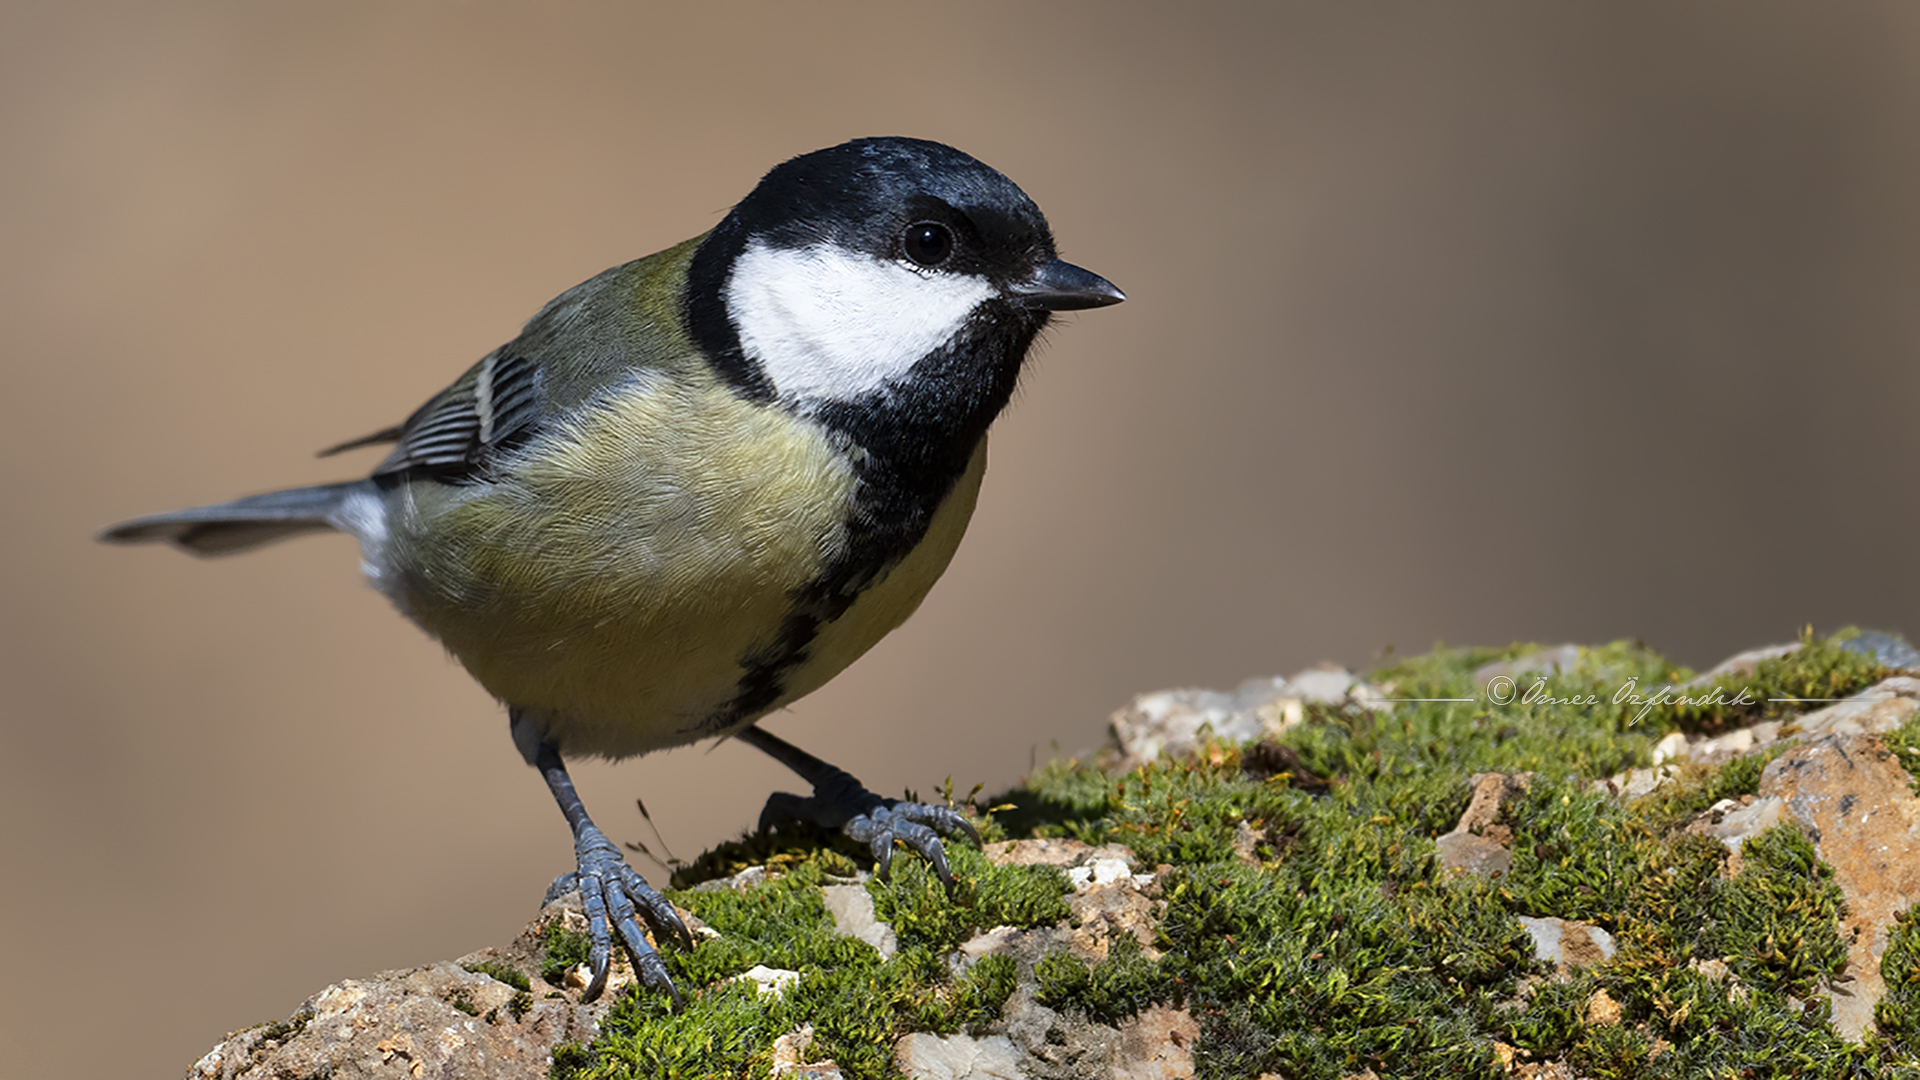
(243, 523)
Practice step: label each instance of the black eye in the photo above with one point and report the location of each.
(928, 243)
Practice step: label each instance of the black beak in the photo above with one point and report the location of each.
(1062, 286)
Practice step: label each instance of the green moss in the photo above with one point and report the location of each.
(1669, 913)
(570, 1059)
(1781, 686)
(1904, 741)
(462, 999)
(1304, 975)
(857, 1004)
(282, 1030)
(1109, 991)
(929, 999)
(1576, 853)
(642, 1037)
(1058, 799)
(1191, 812)
(1616, 1052)
(1549, 1023)
(1897, 1017)
(1674, 804)
(504, 972)
(562, 950)
(1681, 918)
(782, 923)
(924, 913)
(776, 850)
(978, 995)
(1308, 925)
(1778, 925)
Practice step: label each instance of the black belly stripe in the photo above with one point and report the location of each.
(916, 440)
(764, 682)
(871, 553)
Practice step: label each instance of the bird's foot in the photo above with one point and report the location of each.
(876, 822)
(616, 897)
(841, 802)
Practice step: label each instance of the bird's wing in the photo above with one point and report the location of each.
(622, 320)
(493, 406)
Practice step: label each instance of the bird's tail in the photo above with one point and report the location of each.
(255, 520)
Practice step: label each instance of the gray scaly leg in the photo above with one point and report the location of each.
(610, 889)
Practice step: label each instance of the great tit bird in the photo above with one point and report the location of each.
(699, 485)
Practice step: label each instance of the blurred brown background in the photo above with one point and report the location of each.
(1449, 322)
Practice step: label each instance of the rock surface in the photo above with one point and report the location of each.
(958, 1057)
(1837, 781)
(445, 1021)
(441, 1020)
(1169, 722)
(1109, 899)
(1853, 798)
(790, 1058)
(853, 915)
(1840, 783)
(1565, 942)
(1878, 709)
(1480, 844)
(1846, 790)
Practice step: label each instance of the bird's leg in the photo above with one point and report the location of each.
(841, 802)
(614, 894)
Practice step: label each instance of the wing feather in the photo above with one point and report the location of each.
(453, 436)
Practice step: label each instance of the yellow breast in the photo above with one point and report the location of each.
(615, 577)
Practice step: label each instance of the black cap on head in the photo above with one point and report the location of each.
(892, 198)
(863, 194)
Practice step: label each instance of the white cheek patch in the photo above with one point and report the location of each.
(827, 323)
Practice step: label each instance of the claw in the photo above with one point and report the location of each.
(917, 825)
(616, 898)
(841, 802)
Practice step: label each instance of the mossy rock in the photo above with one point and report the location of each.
(1309, 925)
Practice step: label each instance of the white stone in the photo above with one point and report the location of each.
(853, 916)
(957, 1057)
(768, 980)
(1102, 872)
(1669, 748)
